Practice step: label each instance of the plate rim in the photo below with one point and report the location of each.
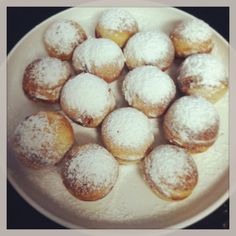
(197, 217)
(67, 224)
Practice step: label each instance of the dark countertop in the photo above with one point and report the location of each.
(217, 17)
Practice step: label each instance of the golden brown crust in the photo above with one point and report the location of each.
(86, 120)
(212, 94)
(53, 52)
(133, 62)
(177, 195)
(83, 192)
(119, 37)
(184, 48)
(83, 119)
(150, 110)
(109, 72)
(126, 155)
(64, 132)
(46, 95)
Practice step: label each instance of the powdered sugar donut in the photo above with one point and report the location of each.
(43, 139)
(192, 36)
(149, 89)
(61, 38)
(101, 57)
(127, 134)
(149, 48)
(203, 75)
(170, 172)
(44, 78)
(192, 122)
(90, 172)
(116, 24)
(87, 99)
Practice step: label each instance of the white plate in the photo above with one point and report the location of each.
(131, 204)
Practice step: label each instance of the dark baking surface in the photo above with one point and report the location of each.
(20, 20)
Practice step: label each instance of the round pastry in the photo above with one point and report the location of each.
(170, 172)
(87, 99)
(61, 38)
(43, 139)
(192, 122)
(101, 57)
(44, 78)
(127, 134)
(192, 36)
(203, 75)
(90, 172)
(149, 89)
(116, 24)
(149, 48)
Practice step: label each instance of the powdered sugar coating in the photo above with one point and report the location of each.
(171, 169)
(117, 19)
(207, 70)
(193, 30)
(192, 115)
(150, 48)
(127, 127)
(97, 53)
(150, 84)
(212, 163)
(48, 72)
(91, 168)
(36, 139)
(64, 35)
(87, 94)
